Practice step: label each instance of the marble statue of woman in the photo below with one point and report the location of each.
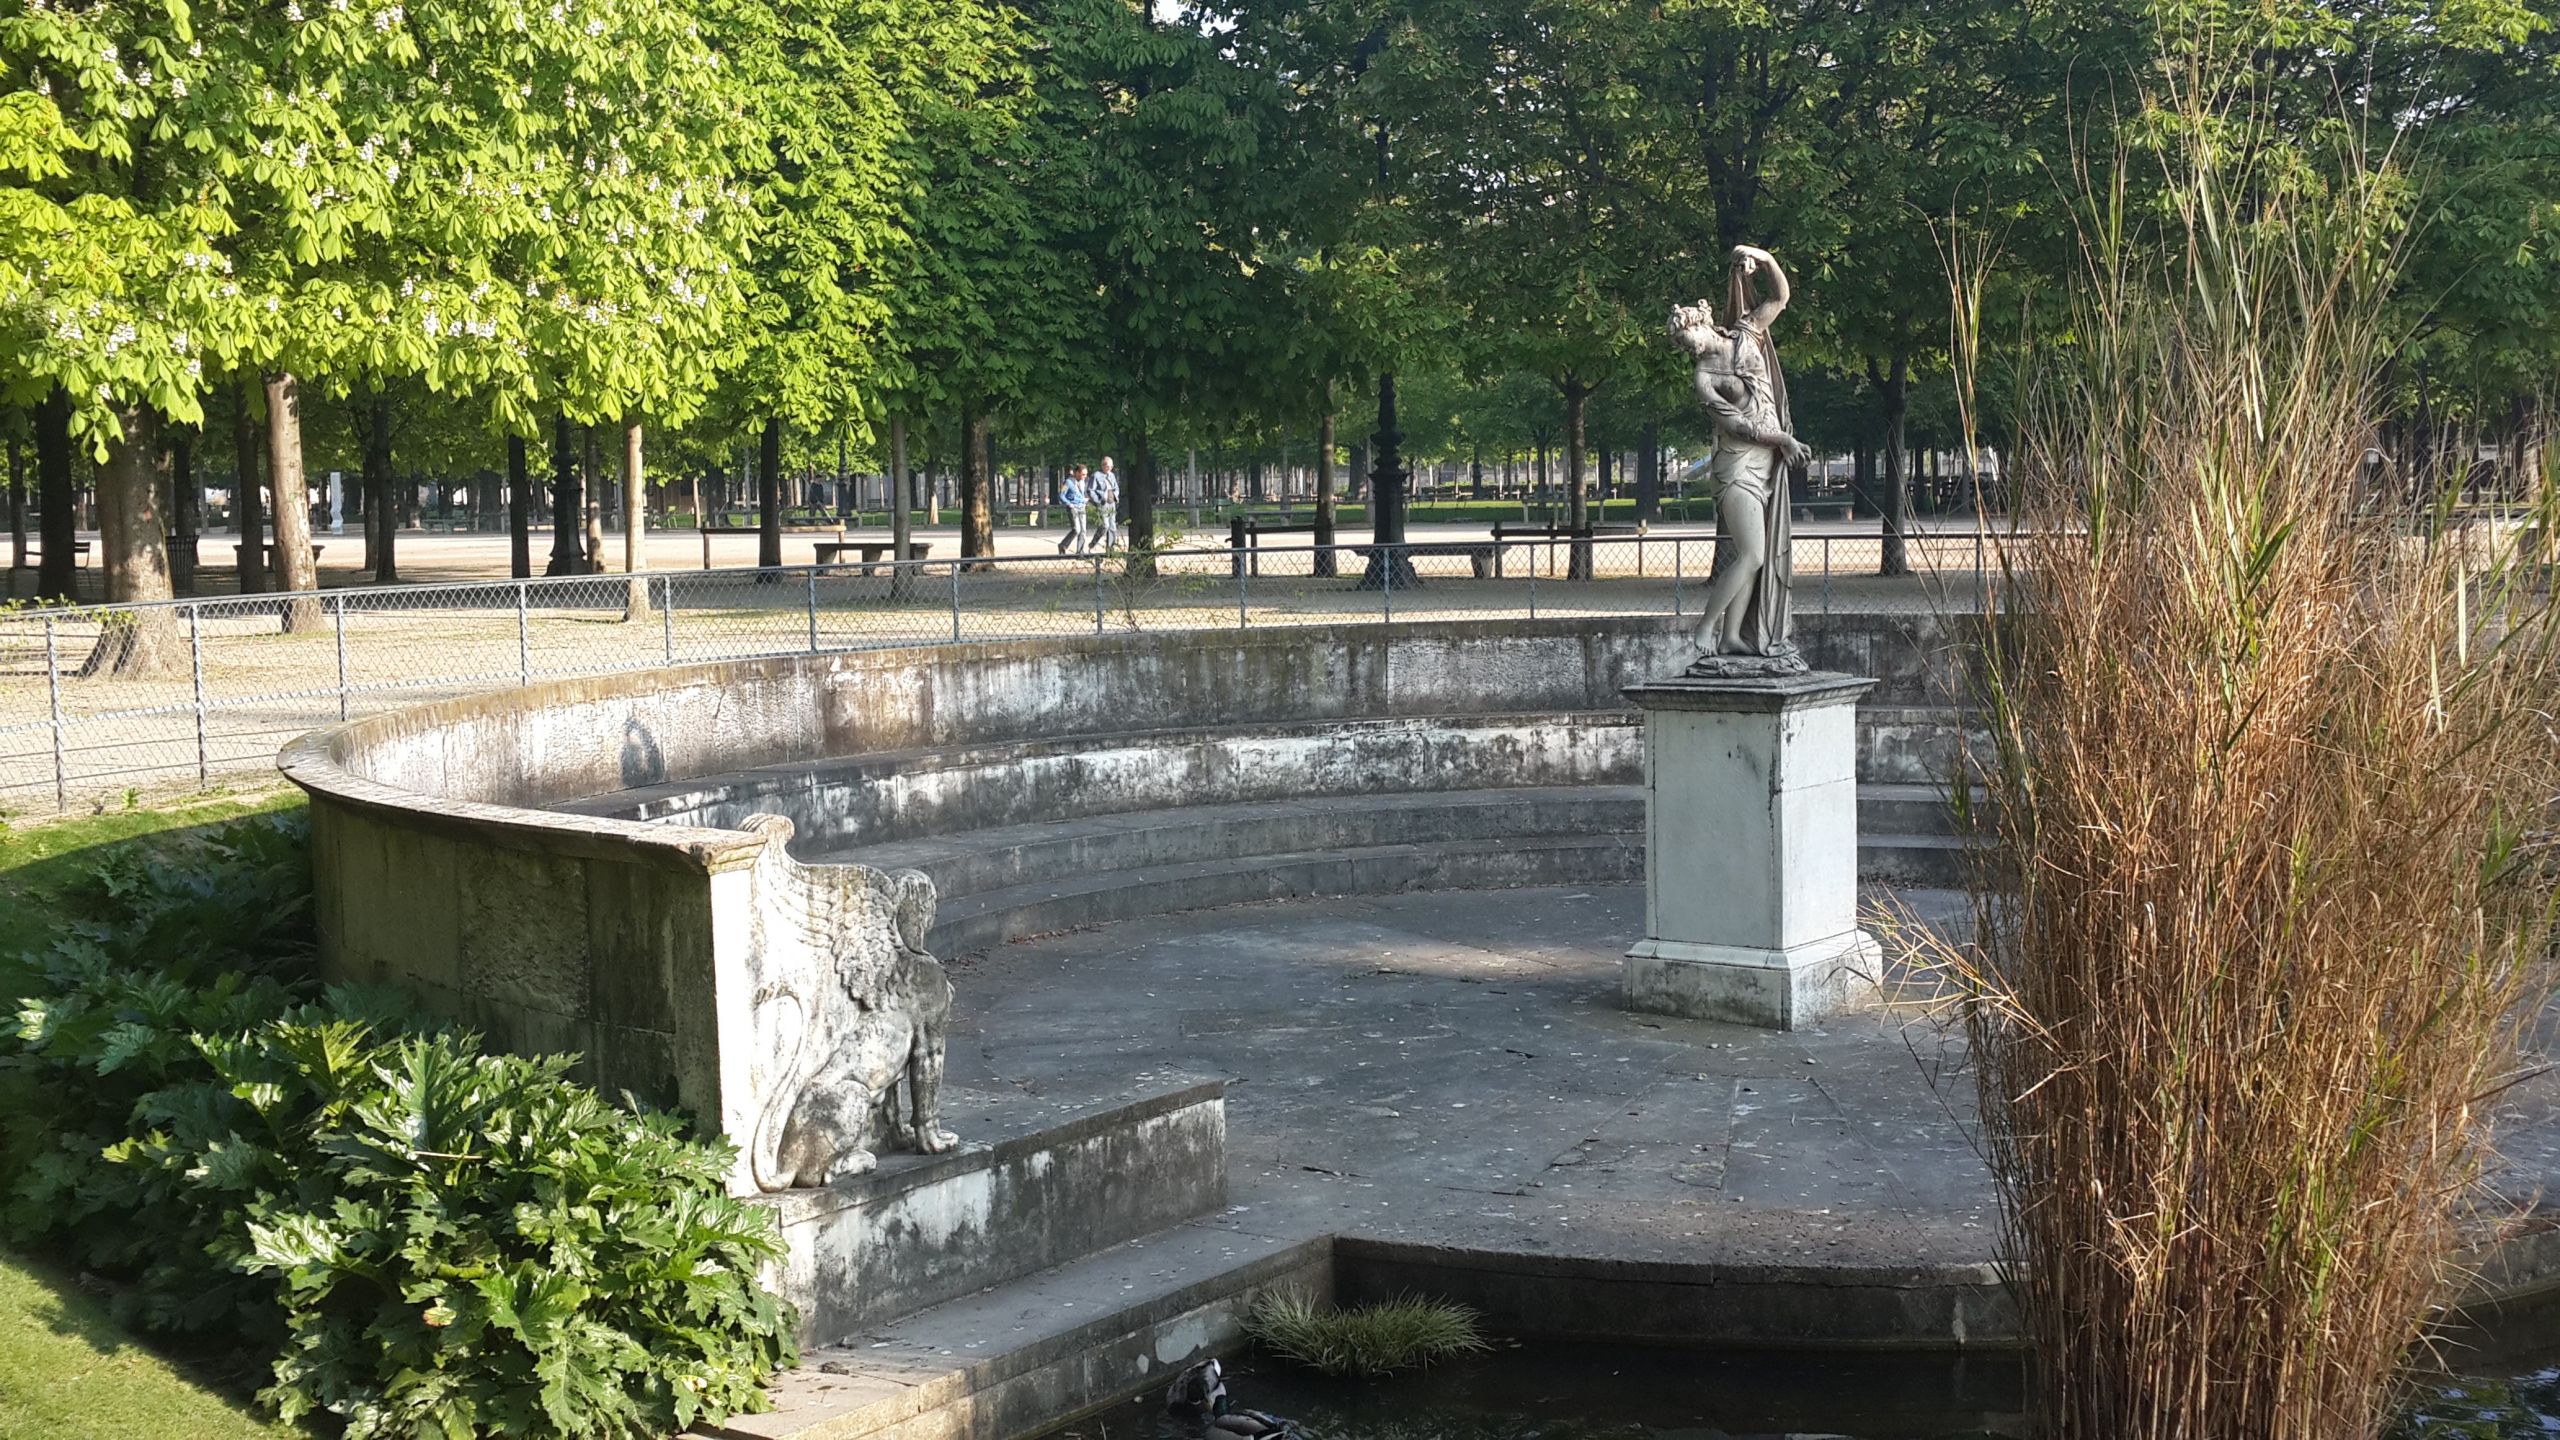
(1743, 630)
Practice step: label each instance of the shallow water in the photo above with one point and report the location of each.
(1605, 1392)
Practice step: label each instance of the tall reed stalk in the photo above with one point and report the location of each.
(2266, 766)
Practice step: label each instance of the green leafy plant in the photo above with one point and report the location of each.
(426, 1239)
(1367, 1340)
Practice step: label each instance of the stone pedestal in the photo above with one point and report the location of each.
(1751, 850)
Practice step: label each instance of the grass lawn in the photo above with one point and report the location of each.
(37, 860)
(66, 1369)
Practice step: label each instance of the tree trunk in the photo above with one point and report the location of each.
(902, 494)
(591, 509)
(381, 492)
(56, 577)
(133, 549)
(568, 552)
(519, 509)
(1577, 396)
(769, 493)
(1138, 493)
(293, 569)
(1649, 475)
(1894, 386)
(17, 508)
(635, 523)
(248, 497)
(1324, 557)
(1475, 473)
(183, 509)
(977, 511)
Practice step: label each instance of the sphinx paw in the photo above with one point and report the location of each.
(852, 1163)
(936, 1142)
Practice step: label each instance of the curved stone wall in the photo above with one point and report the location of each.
(558, 865)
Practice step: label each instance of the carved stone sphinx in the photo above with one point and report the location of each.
(849, 1017)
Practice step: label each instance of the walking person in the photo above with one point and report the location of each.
(1071, 496)
(1104, 491)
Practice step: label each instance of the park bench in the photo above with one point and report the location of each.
(1244, 540)
(35, 553)
(1484, 557)
(831, 552)
(1505, 532)
(241, 552)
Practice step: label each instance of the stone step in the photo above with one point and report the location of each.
(1028, 1355)
(1905, 809)
(979, 861)
(1004, 883)
(974, 922)
(1933, 861)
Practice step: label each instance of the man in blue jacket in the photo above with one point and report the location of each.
(1071, 495)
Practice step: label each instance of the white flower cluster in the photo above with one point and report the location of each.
(120, 337)
(387, 17)
(476, 329)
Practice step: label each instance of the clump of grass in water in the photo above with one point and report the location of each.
(2267, 898)
(1365, 1341)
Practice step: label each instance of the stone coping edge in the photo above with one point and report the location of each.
(310, 762)
(895, 1179)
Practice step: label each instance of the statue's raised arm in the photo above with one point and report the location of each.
(1751, 262)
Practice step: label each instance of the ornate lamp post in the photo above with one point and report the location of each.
(1388, 563)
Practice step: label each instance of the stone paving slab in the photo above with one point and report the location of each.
(1452, 1070)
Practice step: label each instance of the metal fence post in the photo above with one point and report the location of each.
(1981, 575)
(1533, 582)
(955, 602)
(813, 609)
(667, 617)
(1387, 584)
(1097, 594)
(1826, 577)
(53, 697)
(195, 664)
(524, 638)
(1241, 621)
(1677, 545)
(341, 601)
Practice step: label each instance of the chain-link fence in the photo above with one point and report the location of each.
(99, 702)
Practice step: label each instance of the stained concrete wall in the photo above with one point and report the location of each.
(440, 869)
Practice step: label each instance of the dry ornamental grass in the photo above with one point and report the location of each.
(2264, 909)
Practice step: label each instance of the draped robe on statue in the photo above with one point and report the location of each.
(1752, 395)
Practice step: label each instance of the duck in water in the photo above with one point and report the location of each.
(1201, 1394)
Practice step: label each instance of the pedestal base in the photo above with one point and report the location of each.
(1788, 989)
(1751, 848)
